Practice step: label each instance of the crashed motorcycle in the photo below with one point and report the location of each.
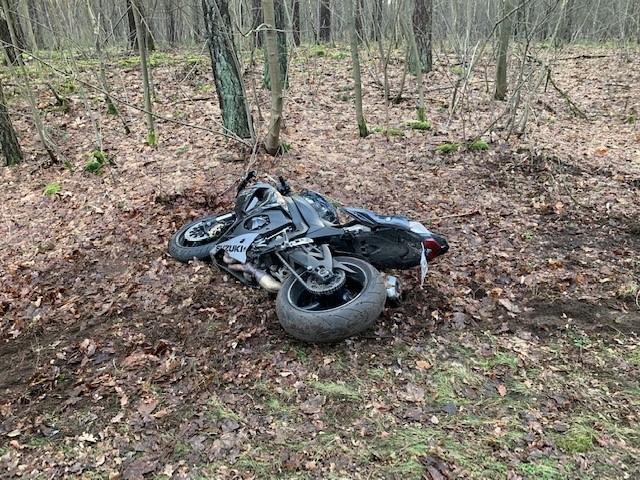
(325, 272)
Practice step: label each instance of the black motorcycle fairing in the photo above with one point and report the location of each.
(321, 205)
(258, 196)
(318, 227)
(371, 219)
(383, 248)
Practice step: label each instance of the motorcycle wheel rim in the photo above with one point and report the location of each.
(199, 234)
(354, 285)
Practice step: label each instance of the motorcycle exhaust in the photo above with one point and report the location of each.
(265, 280)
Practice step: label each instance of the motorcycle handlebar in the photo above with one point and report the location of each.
(246, 179)
(284, 188)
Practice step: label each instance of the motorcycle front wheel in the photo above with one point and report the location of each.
(196, 238)
(331, 318)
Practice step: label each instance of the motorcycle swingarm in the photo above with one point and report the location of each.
(319, 263)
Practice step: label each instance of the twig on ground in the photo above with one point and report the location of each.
(572, 105)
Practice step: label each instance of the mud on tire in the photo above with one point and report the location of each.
(324, 319)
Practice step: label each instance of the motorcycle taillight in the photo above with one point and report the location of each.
(435, 246)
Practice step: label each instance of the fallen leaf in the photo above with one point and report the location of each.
(423, 365)
(313, 405)
(502, 390)
(509, 305)
(87, 437)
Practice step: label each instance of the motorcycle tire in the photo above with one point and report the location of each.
(335, 317)
(192, 240)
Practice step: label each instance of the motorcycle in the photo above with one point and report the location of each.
(325, 273)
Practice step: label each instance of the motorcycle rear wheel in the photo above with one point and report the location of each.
(332, 318)
(194, 240)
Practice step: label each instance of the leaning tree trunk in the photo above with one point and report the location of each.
(8, 139)
(46, 143)
(272, 143)
(503, 50)
(226, 69)
(355, 60)
(422, 28)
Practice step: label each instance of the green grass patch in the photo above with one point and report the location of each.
(391, 131)
(448, 148)
(52, 189)
(219, 411)
(420, 125)
(478, 145)
(547, 469)
(633, 357)
(97, 163)
(580, 438)
(337, 390)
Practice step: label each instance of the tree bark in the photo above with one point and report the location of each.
(355, 61)
(172, 29)
(133, 36)
(146, 84)
(503, 50)
(48, 146)
(272, 143)
(226, 69)
(295, 23)
(325, 21)
(35, 23)
(256, 10)
(8, 139)
(133, 30)
(422, 29)
(413, 52)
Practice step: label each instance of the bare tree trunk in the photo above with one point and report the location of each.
(35, 23)
(422, 28)
(8, 139)
(503, 50)
(272, 142)
(325, 21)
(226, 69)
(133, 35)
(411, 40)
(133, 27)
(355, 60)
(281, 29)
(46, 143)
(256, 10)
(146, 84)
(296, 22)
(172, 29)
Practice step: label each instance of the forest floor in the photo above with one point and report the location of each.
(519, 359)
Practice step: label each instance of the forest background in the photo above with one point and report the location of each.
(509, 127)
